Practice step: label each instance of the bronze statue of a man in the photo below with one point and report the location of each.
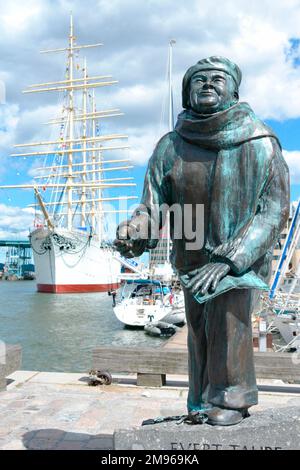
(222, 157)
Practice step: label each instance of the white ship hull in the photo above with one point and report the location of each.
(72, 262)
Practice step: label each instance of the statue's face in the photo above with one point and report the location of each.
(212, 91)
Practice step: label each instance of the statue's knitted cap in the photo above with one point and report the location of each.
(211, 63)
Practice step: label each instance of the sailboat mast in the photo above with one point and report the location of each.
(71, 127)
(170, 69)
(171, 128)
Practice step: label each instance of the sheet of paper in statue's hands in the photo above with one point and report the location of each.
(247, 281)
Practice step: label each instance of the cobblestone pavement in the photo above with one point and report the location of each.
(60, 411)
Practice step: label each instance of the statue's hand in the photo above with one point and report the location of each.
(129, 241)
(205, 278)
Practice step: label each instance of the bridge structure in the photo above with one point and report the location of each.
(18, 257)
(15, 243)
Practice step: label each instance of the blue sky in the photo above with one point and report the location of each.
(288, 133)
(262, 36)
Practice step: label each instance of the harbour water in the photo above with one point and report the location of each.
(58, 332)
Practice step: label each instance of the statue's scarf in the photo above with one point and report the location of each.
(222, 130)
(244, 150)
(241, 170)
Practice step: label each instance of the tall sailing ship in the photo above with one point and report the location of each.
(69, 248)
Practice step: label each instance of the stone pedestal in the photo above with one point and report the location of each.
(10, 361)
(271, 429)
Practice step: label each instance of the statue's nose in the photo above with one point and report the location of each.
(207, 84)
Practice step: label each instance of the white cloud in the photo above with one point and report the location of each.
(15, 126)
(17, 15)
(32, 122)
(137, 95)
(6, 234)
(15, 222)
(142, 142)
(293, 160)
(9, 117)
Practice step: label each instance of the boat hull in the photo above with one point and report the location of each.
(75, 288)
(138, 309)
(139, 315)
(72, 262)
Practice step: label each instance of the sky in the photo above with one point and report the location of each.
(261, 36)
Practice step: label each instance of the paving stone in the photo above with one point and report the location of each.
(3, 434)
(10, 360)
(90, 419)
(18, 404)
(20, 376)
(2, 442)
(59, 378)
(13, 445)
(2, 382)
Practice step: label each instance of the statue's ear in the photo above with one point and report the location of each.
(236, 95)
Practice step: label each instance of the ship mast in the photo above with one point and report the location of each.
(84, 135)
(98, 175)
(94, 164)
(71, 126)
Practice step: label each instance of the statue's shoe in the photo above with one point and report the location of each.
(225, 417)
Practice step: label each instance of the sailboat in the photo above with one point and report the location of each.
(157, 297)
(70, 251)
(284, 298)
(160, 257)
